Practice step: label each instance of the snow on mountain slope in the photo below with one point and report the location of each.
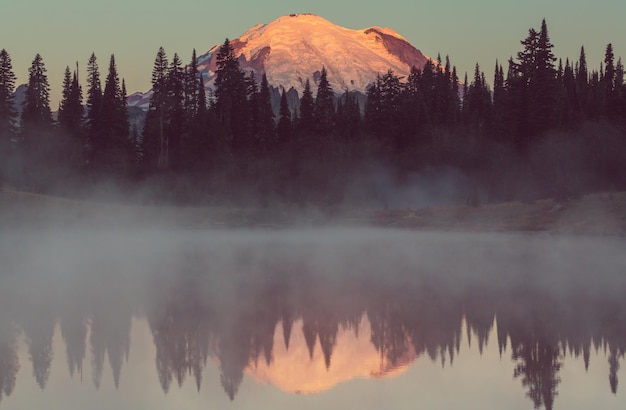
(295, 47)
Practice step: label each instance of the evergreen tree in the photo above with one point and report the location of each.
(8, 114)
(36, 114)
(415, 117)
(153, 136)
(571, 106)
(516, 106)
(582, 83)
(94, 95)
(70, 114)
(194, 143)
(374, 108)
(348, 123)
(40, 147)
(266, 125)
(70, 119)
(284, 127)
(499, 96)
(478, 101)
(464, 102)
(324, 109)
(175, 114)
(620, 90)
(306, 121)
(252, 95)
(231, 102)
(192, 90)
(112, 147)
(454, 102)
(382, 113)
(610, 91)
(542, 86)
(537, 83)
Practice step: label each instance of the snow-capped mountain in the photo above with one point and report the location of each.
(295, 47)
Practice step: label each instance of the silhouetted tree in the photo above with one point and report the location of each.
(306, 121)
(70, 118)
(155, 144)
(324, 108)
(94, 104)
(284, 127)
(231, 102)
(36, 114)
(112, 149)
(8, 114)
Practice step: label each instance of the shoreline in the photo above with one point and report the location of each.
(594, 214)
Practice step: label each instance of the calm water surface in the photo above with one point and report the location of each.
(311, 319)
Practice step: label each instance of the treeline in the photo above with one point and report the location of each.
(545, 129)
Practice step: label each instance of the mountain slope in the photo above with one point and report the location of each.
(295, 47)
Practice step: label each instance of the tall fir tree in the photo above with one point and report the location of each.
(38, 143)
(582, 83)
(284, 126)
(191, 89)
(175, 116)
(112, 148)
(479, 106)
(231, 102)
(610, 102)
(543, 86)
(70, 114)
(94, 94)
(252, 95)
(324, 109)
(8, 113)
(306, 121)
(266, 126)
(70, 119)
(36, 114)
(153, 135)
(499, 96)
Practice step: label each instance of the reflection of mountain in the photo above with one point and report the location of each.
(294, 369)
(306, 326)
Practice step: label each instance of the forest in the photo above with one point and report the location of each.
(544, 128)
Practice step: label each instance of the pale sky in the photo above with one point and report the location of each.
(66, 31)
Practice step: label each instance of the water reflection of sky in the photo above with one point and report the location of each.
(377, 319)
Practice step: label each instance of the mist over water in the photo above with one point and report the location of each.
(210, 316)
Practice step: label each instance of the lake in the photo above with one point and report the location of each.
(310, 319)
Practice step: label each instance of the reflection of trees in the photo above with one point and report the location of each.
(110, 335)
(9, 364)
(535, 341)
(613, 368)
(479, 315)
(433, 320)
(538, 365)
(39, 329)
(389, 335)
(74, 332)
(180, 328)
(420, 318)
(232, 318)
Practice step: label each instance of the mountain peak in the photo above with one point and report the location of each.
(295, 47)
